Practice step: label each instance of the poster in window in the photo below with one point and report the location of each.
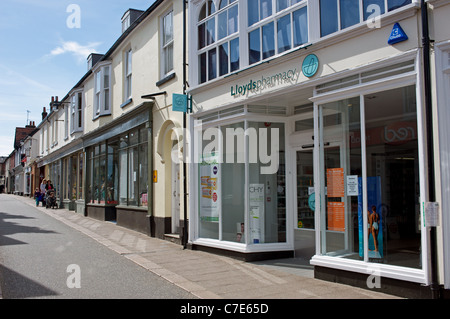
(256, 201)
(335, 182)
(336, 216)
(374, 218)
(209, 188)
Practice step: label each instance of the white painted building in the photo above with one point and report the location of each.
(307, 79)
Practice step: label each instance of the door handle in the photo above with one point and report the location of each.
(312, 145)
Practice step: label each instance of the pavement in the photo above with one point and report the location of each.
(207, 275)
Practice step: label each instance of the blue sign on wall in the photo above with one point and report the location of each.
(310, 65)
(397, 35)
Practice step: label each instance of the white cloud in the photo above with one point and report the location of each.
(6, 145)
(78, 50)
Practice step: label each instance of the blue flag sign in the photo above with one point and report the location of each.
(397, 35)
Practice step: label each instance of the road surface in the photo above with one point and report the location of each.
(41, 257)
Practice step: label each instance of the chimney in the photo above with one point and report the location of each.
(44, 114)
(31, 125)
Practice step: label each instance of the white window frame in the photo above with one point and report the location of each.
(313, 32)
(54, 124)
(443, 103)
(101, 90)
(197, 125)
(384, 270)
(165, 46)
(75, 108)
(128, 74)
(66, 119)
(217, 43)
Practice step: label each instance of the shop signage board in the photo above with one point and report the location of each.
(309, 68)
(181, 103)
(310, 65)
(209, 188)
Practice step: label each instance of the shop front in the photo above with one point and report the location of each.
(369, 190)
(117, 169)
(240, 182)
(284, 171)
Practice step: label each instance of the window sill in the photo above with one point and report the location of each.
(128, 101)
(166, 79)
(131, 207)
(100, 115)
(77, 131)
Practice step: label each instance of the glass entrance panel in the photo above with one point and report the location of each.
(305, 189)
(340, 177)
(394, 228)
(304, 234)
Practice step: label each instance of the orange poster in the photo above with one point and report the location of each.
(336, 216)
(335, 182)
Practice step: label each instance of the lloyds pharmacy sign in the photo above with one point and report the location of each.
(309, 68)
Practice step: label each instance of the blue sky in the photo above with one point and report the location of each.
(42, 55)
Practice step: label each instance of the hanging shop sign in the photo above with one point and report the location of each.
(181, 103)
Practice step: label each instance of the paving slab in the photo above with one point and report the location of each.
(208, 275)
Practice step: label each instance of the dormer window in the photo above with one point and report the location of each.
(126, 22)
(129, 17)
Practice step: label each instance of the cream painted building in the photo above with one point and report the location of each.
(295, 84)
(108, 144)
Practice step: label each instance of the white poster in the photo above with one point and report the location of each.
(256, 198)
(209, 190)
(352, 185)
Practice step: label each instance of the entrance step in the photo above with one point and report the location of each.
(174, 238)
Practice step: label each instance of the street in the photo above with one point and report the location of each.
(41, 257)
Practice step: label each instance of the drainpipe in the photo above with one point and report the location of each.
(185, 225)
(150, 165)
(434, 285)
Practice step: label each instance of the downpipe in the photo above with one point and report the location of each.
(434, 285)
